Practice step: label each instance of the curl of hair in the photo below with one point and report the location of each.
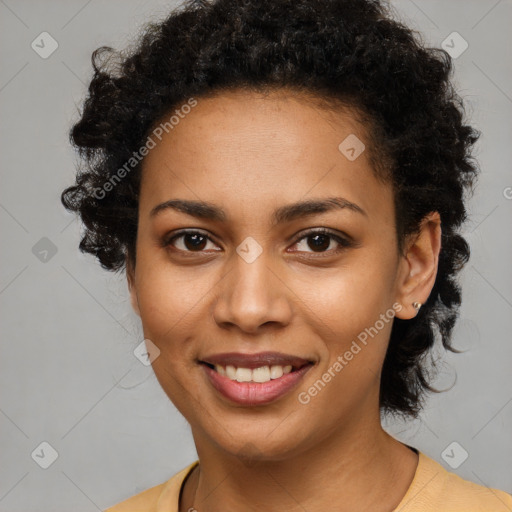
(345, 52)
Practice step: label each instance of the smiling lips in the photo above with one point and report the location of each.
(260, 367)
(254, 379)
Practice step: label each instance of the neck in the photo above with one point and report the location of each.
(358, 469)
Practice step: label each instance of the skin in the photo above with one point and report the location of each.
(251, 154)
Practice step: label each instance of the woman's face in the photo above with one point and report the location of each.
(254, 276)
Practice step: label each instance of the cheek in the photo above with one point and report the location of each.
(351, 312)
(346, 299)
(354, 343)
(170, 299)
(168, 309)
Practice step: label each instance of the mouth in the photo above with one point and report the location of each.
(254, 379)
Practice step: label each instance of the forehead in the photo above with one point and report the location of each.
(247, 150)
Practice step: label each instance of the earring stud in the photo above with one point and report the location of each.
(416, 306)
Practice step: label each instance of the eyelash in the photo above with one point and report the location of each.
(344, 243)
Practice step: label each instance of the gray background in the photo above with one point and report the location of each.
(68, 374)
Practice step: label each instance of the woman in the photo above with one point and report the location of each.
(283, 183)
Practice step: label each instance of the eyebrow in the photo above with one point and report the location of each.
(283, 214)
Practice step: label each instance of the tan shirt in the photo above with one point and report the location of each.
(433, 489)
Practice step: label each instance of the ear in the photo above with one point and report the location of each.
(130, 277)
(418, 266)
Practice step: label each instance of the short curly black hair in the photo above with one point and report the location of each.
(347, 52)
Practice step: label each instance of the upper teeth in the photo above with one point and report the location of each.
(262, 374)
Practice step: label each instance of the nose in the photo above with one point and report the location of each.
(252, 296)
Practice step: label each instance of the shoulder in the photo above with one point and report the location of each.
(164, 496)
(435, 488)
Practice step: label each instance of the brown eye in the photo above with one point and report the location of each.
(189, 241)
(322, 241)
(319, 242)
